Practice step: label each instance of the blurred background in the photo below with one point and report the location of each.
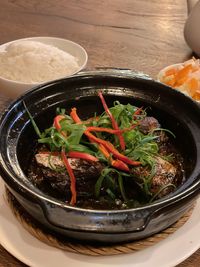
(138, 34)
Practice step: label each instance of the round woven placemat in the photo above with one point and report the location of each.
(46, 236)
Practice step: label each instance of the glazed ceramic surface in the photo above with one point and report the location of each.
(174, 110)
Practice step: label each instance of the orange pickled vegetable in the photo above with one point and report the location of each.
(171, 71)
(193, 85)
(197, 95)
(183, 72)
(171, 81)
(186, 79)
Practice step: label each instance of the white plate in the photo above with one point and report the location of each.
(167, 253)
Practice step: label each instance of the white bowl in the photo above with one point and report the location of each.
(13, 89)
(175, 66)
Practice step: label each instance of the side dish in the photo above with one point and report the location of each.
(119, 159)
(184, 77)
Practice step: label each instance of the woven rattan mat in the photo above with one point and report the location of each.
(44, 235)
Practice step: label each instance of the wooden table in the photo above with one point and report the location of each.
(144, 35)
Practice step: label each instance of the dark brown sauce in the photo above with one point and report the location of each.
(87, 200)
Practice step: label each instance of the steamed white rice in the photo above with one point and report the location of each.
(35, 62)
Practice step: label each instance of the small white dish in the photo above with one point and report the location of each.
(183, 88)
(13, 89)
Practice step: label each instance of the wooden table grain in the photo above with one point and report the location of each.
(145, 35)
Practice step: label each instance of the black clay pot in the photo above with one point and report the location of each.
(175, 112)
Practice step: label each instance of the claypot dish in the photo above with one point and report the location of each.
(174, 110)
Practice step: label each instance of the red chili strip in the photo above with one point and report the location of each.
(107, 144)
(72, 177)
(118, 164)
(74, 115)
(57, 120)
(108, 130)
(113, 121)
(104, 151)
(111, 149)
(81, 155)
(102, 129)
(73, 154)
(57, 125)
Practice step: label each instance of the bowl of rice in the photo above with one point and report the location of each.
(28, 62)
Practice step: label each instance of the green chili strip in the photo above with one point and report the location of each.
(32, 121)
(163, 187)
(121, 186)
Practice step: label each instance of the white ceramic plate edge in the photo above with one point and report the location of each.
(167, 253)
